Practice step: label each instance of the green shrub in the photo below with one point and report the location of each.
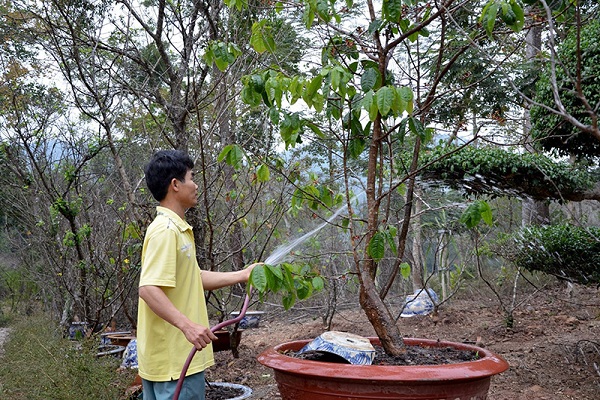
(565, 251)
(39, 364)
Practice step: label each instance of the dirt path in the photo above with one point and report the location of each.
(3, 337)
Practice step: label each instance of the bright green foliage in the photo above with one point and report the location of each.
(237, 4)
(262, 173)
(232, 154)
(377, 245)
(315, 196)
(222, 54)
(475, 212)
(405, 270)
(551, 131)
(511, 12)
(272, 88)
(68, 209)
(495, 171)
(292, 281)
(566, 251)
(262, 39)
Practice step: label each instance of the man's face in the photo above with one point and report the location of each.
(188, 190)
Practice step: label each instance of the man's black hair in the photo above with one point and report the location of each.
(163, 167)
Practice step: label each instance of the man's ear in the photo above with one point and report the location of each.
(174, 184)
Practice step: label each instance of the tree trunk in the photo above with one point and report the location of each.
(417, 270)
(370, 300)
(378, 314)
(534, 212)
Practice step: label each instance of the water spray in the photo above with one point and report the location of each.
(282, 251)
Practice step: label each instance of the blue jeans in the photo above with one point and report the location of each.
(192, 389)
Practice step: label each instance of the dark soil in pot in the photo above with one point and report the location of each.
(415, 355)
(226, 391)
(222, 393)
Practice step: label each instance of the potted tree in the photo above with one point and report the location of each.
(372, 98)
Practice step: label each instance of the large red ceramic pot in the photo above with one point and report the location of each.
(299, 379)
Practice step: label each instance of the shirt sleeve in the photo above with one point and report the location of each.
(160, 259)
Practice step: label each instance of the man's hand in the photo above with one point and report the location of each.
(248, 270)
(198, 335)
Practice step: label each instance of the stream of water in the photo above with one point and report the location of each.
(280, 253)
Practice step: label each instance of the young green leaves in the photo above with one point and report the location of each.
(293, 282)
(477, 211)
(510, 12)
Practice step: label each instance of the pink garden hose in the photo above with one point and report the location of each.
(213, 329)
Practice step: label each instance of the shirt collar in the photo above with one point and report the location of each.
(180, 223)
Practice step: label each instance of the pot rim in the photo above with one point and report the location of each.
(489, 364)
(249, 312)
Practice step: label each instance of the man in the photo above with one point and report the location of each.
(172, 313)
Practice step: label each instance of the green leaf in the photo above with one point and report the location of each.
(356, 147)
(416, 127)
(475, 212)
(303, 291)
(258, 278)
(405, 93)
(375, 26)
(318, 283)
(290, 129)
(262, 173)
(276, 271)
(405, 270)
(261, 39)
(272, 282)
(223, 154)
(367, 100)
(385, 98)
(398, 105)
(316, 130)
(232, 154)
(486, 212)
(519, 16)
(288, 301)
(373, 109)
(392, 10)
(221, 54)
(273, 115)
(376, 247)
(314, 85)
(489, 16)
(335, 76)
(389, 237)
(250, 96)
(369, 79)
(238, 4)
(401, 131)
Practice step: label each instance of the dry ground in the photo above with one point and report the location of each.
(553, 349)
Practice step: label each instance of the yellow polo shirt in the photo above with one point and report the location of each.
(169, 261)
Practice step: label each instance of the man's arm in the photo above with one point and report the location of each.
(198, 335)
(212, 280)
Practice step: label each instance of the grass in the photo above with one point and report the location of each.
(39, 364)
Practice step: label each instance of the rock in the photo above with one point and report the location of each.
(535, 388)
